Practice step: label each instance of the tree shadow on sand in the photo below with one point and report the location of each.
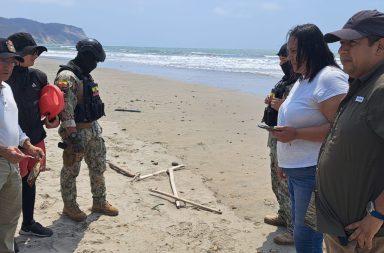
(67, 234)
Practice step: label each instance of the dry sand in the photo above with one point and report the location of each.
(213, 132)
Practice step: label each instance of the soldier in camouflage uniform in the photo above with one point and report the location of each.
(279, 185)
(80, 131)
(280, 189)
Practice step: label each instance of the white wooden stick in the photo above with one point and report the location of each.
(173, 186)
(178, 167)
(187, 201)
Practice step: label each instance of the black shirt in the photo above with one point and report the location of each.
(26, 84)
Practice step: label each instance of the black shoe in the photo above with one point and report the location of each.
(15, 247)
(35, 229)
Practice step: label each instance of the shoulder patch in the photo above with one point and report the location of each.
(63, 85)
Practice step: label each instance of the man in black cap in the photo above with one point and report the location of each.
(11, 138)
(350, 178)
(26, 84)
(279, 184)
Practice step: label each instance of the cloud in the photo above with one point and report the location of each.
(244, 8)
(52, 2)
(234, 11)
(220, 11)
(270, 6)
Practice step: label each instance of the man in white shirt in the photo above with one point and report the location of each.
(11, 138)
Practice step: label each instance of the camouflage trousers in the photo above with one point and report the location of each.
(94, 156)
(280, 187)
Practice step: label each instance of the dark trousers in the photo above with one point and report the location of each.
(28, 201)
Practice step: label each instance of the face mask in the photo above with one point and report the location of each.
(89, 66)
(286, 68)
(86, 62)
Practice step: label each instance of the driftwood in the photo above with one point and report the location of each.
(126, 110)
(173, 186)
(187, 201)
(141, 177)
(120, 170)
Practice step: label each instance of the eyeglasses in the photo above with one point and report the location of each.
(8, 61)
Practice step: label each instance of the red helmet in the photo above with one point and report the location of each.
(51, 101)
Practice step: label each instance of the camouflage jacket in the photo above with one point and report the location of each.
(72, 88)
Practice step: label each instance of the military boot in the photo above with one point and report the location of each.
(275, 220)
(73, 212)
(285, 238)
(105, 208)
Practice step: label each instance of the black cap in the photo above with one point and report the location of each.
(25, 44)
(7, 50)
(362, 24)
(283, 50)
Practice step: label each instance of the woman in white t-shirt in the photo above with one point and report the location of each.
(304, 120)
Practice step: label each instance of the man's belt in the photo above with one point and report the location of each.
(84, 125)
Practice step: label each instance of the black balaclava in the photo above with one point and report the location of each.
(286, 68)
(86, 61)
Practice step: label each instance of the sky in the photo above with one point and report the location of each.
(232, 24)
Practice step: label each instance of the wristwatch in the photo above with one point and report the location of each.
(372, 211)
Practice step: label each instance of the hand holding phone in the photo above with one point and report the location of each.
(268, 128)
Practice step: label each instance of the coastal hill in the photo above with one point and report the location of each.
(50, 33)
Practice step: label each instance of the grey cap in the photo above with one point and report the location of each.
(362, 24)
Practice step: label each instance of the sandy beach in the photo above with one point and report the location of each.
(213, 132)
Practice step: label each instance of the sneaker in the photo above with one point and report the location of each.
(74, 213)
(35, 229)
(275, 220)
(285, 238)
(105, 208)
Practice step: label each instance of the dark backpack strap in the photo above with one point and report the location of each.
(73, 68)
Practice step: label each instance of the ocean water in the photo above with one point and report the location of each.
(252, 71)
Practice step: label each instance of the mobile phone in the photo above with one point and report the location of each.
(268, 128)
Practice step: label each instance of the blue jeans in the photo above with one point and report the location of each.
(301, 182)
